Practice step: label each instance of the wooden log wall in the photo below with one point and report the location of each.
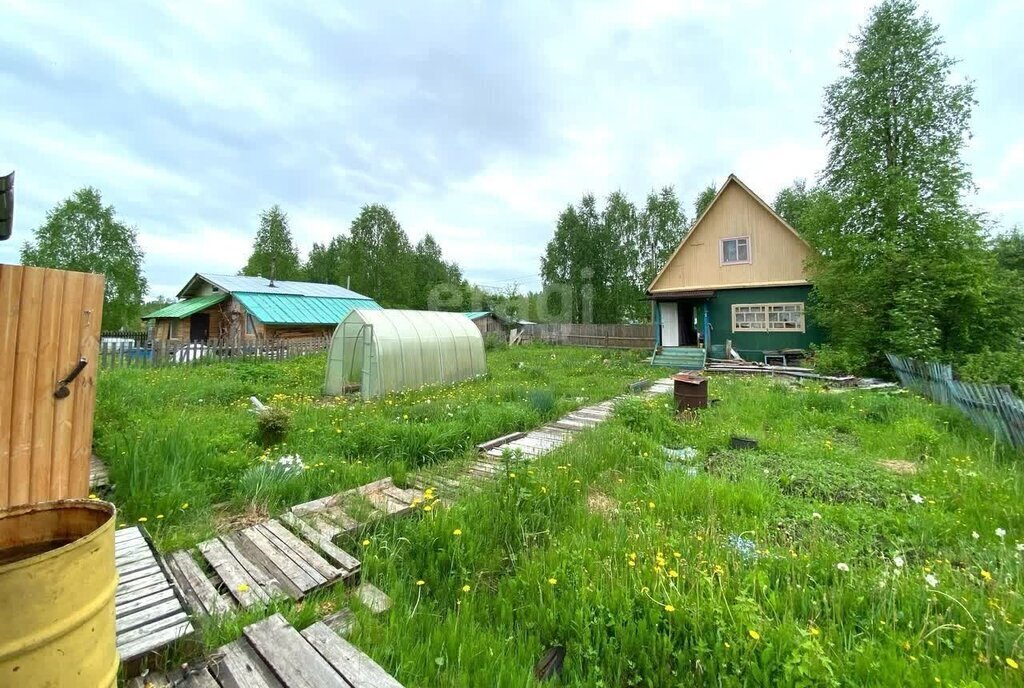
(49, 320)
(605, 336)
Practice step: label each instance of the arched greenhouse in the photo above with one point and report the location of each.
(381, 351)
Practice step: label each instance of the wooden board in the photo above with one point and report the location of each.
(49, 319)
(98, 476)
(290, 657)
(197, 589)
(149, 614)
(357, 668)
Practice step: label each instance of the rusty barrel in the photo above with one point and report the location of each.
(57, 583)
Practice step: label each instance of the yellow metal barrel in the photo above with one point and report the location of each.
(57, 582)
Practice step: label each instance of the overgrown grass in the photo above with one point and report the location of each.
(186, 454)
(804, 562)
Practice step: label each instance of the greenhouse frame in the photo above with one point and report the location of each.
(379, 351)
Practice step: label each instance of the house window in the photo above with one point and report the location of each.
(250, 325)
(768, 317)
(736, 250)
(172, 328)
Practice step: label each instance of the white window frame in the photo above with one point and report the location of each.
(750, 250)
(790, 316)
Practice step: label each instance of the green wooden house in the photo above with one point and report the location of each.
(738, 276)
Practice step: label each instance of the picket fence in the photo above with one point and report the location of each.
(993, 407)
(121, 354)
(605, 336)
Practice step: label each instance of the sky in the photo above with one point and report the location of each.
(474, 121)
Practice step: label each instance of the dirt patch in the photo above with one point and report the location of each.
(600, 503)
(228, 522)
(899, 466)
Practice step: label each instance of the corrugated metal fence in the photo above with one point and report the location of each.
(993, 407)
(607, 336)
(121, 353)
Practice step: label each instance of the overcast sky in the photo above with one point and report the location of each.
(477, 122)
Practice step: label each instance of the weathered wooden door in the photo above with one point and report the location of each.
(49, 322)
(199, 327)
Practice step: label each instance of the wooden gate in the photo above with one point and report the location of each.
(49, 322)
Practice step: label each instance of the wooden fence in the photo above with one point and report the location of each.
(49, 329)
(120, 354)
(139, 337)
(993, 407)
(607, 336)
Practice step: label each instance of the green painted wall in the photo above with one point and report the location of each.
(752, 345)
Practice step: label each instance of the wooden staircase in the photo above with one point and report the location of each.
(680, 357)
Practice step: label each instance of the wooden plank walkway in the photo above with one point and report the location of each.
(322, 520)
(272, 654)
(255, 565)
(545, 439)
(149, 613)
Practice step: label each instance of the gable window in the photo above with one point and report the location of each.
(768, 317)
(736, 250)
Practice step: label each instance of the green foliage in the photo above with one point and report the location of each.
(904, 267)
(995, 367)
(542, 401)
(703, 200)
(832, 360)
(272, 425)
(82, 234)
(598, 265)
(1009, 251)
(273, 252)
(494, 340)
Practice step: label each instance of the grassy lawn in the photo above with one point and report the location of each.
(870, 539)
(186, 459)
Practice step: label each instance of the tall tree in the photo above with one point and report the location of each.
(703, 200)
(82, 234)
(616, 292)
(663, 224)
(327, 264)
(431, 273)
(809, 210)
(380, 258)
(905, 267)
(273, 252)
(1009, 251)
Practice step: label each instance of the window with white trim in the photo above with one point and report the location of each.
(736, 250)
(768, 317)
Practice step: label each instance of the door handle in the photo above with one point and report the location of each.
(62, 390)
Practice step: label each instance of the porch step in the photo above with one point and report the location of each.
(680, 358)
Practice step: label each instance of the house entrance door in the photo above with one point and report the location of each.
(199, 327)
(669, 323)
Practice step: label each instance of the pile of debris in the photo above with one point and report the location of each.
(754, 368)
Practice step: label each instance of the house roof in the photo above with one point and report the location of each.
(183, 309)
(261, 285)
(473, 315)
(288, 309)
(731, 179)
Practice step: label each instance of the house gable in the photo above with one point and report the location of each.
(776, 251)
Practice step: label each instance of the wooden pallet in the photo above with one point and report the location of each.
(322, 520)
(98, 476)
(258, 564)
(150, 615)
(272, 654)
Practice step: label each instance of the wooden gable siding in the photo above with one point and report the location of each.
(777, 253)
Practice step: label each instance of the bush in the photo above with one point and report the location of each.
(995, 367)
(542, 401)
(273, 424)
(494, 341)
(828, 359)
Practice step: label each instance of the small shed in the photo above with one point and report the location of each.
(381, 351)
(489, 323)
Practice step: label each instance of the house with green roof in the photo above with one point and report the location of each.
(236, 308)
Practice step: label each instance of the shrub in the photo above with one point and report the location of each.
(542, 401)
(273, 424)
(828, 359)
(494, 341)
(995, 367)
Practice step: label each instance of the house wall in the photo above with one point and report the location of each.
(489, 324)
(752, 345)
(777, 254)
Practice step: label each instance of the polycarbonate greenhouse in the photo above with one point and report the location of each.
(381, 351)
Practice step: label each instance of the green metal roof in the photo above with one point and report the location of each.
(473, 315)
(185, 308)
(288, 309)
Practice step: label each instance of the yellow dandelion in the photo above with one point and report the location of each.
(421, 582)
(159, 516)
(365, 543)
(465, 588)
(242, 587)
(650, 505)
(754, 634)
(669, 608)
(142, 519)
(673, 574)
(457, 532)
(986, 575)
(552, 581)
(815, 631)
(428, 508)
(1012, 663)
(184, 505)
(92, 496)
